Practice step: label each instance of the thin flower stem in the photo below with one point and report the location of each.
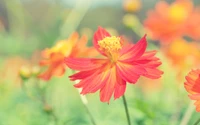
(197, 122)
(85, 102)
(44, 102)
(188, 114)
(126, 110)
(91, 117)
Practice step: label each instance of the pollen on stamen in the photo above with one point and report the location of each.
(110, 44)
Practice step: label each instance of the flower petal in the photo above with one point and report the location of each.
(119, 88)
(132, 52)
(100, 34)
(83, 64)
(130, 73)
(56, 70)
(150, 63)
(107, 91)
(195, 96)
(96, 82)
(153, 73)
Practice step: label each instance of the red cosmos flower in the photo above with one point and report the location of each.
(192, 85)
(54, 57)
(121, 64)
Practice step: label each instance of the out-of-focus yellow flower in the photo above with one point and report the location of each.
(179, 11)
(132, 5)
(54, 57)
(168, 22)
(183, 54)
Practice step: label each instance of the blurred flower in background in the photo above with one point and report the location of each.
(54, 57)
(15, 68)
(192, 27)
(168, 21)
(183, 54)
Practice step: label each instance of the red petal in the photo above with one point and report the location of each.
(100, 34)
(148, 54)
(132, 52)
(82, 75)
(153, 73)
(83, 64)
(119, 88)
(150, 63)
(130, 73)
(96, 82)
(107, 91)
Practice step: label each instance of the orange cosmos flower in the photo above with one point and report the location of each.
(183, 54)
(192, 27)
(192, 85)
(121, 64)
(168, 21)
(72, 47)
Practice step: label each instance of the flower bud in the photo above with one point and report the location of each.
(25, 72)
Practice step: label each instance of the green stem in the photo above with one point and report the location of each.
(85, 102)
(126, 110)
(90, 115)
(188, 114)
(197, 122)
(44, 102)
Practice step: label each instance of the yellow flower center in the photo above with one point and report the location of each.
(111, 46)
(63, 46)
(178, 13)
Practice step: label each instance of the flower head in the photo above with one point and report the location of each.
(121, 64)
(54, 57)
(192, 86)
(167, 22)
(183, 54)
